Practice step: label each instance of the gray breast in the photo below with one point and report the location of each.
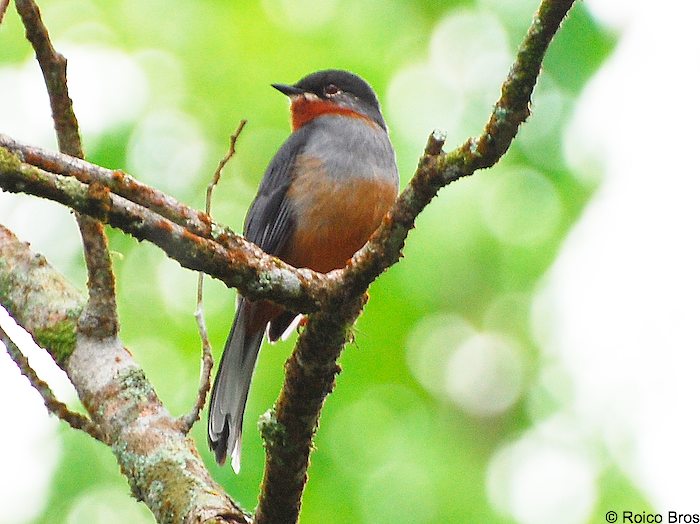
(350, 147)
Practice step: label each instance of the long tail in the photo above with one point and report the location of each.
(231, 386)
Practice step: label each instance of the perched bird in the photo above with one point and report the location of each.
(322, 196)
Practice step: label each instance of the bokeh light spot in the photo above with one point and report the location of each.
(165, 77)
(430, 345)
(544, 477)
(22, 116)
(484, 375)
(407, 485)
(417, 104)
(454, 89)
(107, 85)
(167, 149)
(613, 14)
(300, 16)
(469, 50)
(521, 207)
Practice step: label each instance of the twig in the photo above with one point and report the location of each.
(222, 163)
(100, 315)
(53, 405)
(187, 421)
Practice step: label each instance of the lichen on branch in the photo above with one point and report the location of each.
(160, 462)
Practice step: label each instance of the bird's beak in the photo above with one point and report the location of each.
(288, 90)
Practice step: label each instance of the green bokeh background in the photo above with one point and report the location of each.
(389, 449)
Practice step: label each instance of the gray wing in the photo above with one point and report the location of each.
(270, 220)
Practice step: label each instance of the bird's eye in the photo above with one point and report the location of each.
(331, 89)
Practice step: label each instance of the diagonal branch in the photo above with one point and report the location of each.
(53, 67)
(100, 315)
(289, 429)
(117, 182)
(436, 169)
(233, 260)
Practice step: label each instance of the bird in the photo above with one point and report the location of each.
(322, 196)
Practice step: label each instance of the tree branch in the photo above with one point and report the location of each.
(162, 465)
(117, 182)
(227, 257)
(288, 430)
(436, 169)
(100, 315)
(53, 67)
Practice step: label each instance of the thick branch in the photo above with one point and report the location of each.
(289, 429)
(244, 266)
(117, 182)
(162, 465)
(436, 169)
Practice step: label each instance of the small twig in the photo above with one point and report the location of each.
(222, 163)
(53, 405)
(100, 315)
(187, 421)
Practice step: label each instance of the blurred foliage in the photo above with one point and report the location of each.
(403, 438)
